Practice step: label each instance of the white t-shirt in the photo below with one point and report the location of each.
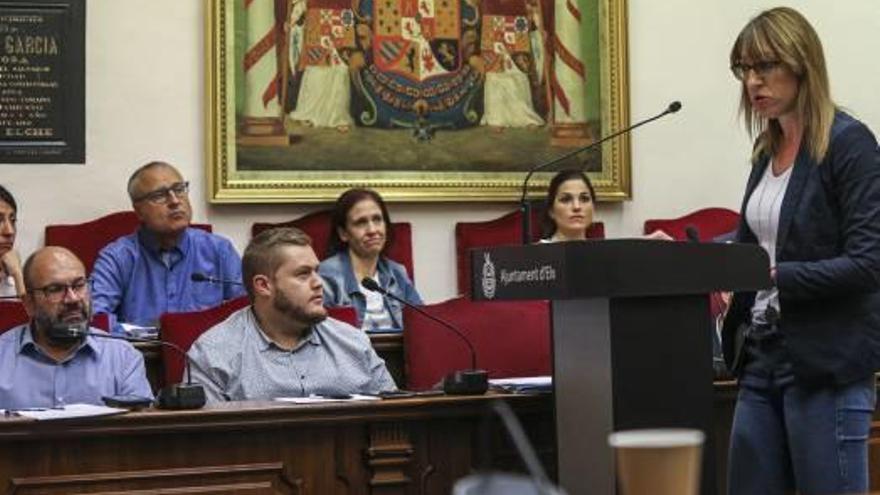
(762, 216)
(376, 315)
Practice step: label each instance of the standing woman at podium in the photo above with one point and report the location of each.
(806, 349)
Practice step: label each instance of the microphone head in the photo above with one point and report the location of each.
(674, 107)
(371, 284)
(199, 277)
(692, 233)
(67, 332)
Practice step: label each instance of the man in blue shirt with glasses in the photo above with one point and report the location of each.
(142, 275)
(44, 365)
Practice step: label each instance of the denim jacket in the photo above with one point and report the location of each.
(341, 288)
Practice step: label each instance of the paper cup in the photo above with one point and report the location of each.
(658, 462)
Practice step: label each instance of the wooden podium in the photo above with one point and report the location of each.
(631, 337)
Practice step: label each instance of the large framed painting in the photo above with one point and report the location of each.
(422, 100)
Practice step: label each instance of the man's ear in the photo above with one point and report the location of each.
(137, 211)
(262, 285)
(29, 304)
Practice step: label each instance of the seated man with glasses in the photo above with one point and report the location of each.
(42, 363)
(142, 275)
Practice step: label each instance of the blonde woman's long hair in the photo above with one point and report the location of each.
(785, 35)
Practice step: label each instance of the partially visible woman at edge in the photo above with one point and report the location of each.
(11, 282)
(568, 208)
(360, 236)
(805, 350)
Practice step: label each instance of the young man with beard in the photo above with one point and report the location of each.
(283, 344)
(142, 275)
(40, 366)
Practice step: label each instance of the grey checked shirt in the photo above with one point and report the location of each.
(235, 360)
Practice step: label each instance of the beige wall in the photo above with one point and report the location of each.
(145, 101)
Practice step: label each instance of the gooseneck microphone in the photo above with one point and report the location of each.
(201, 277)
(177, 396)
(464, 382)
(525, 208)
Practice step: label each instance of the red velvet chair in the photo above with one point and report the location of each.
(182, 329)
(12, 314)
(505, 230)
(317, 226)
(87, 239)
(709, 222)
(511, 339)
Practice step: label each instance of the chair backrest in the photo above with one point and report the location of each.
(12, 314)
(182, 329)
(87, 239)
(511, 338)
(709, 222)
(317, 226)
(344, 313)
(504, 230)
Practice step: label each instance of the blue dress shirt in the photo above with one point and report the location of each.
(97, 368)
(134, 281)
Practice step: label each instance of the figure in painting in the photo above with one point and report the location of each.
(322, 37)
(508, 49)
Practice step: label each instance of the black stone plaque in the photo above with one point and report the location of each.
(42, 81)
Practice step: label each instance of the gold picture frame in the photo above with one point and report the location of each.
(239, 171)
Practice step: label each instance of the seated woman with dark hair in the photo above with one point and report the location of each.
(360, 236)
(568, 209)
(11, 282)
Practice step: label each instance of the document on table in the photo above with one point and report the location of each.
(320, 399)
(524, 384)
(69, 411)
(140, 332)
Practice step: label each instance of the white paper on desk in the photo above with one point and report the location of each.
(140, 332)
(524, 384)
(317, 399)
(71, 411)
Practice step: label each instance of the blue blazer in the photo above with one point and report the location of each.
(828, 260)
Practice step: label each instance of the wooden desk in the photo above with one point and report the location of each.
(390, 347)
(403, 446)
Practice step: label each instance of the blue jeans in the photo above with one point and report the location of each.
(788, 436)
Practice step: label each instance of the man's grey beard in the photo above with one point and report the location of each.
(57, 330)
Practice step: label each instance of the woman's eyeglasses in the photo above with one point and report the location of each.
(761, 69)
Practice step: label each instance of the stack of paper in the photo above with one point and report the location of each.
(524, 384)
(320, 399)
(66, 412)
